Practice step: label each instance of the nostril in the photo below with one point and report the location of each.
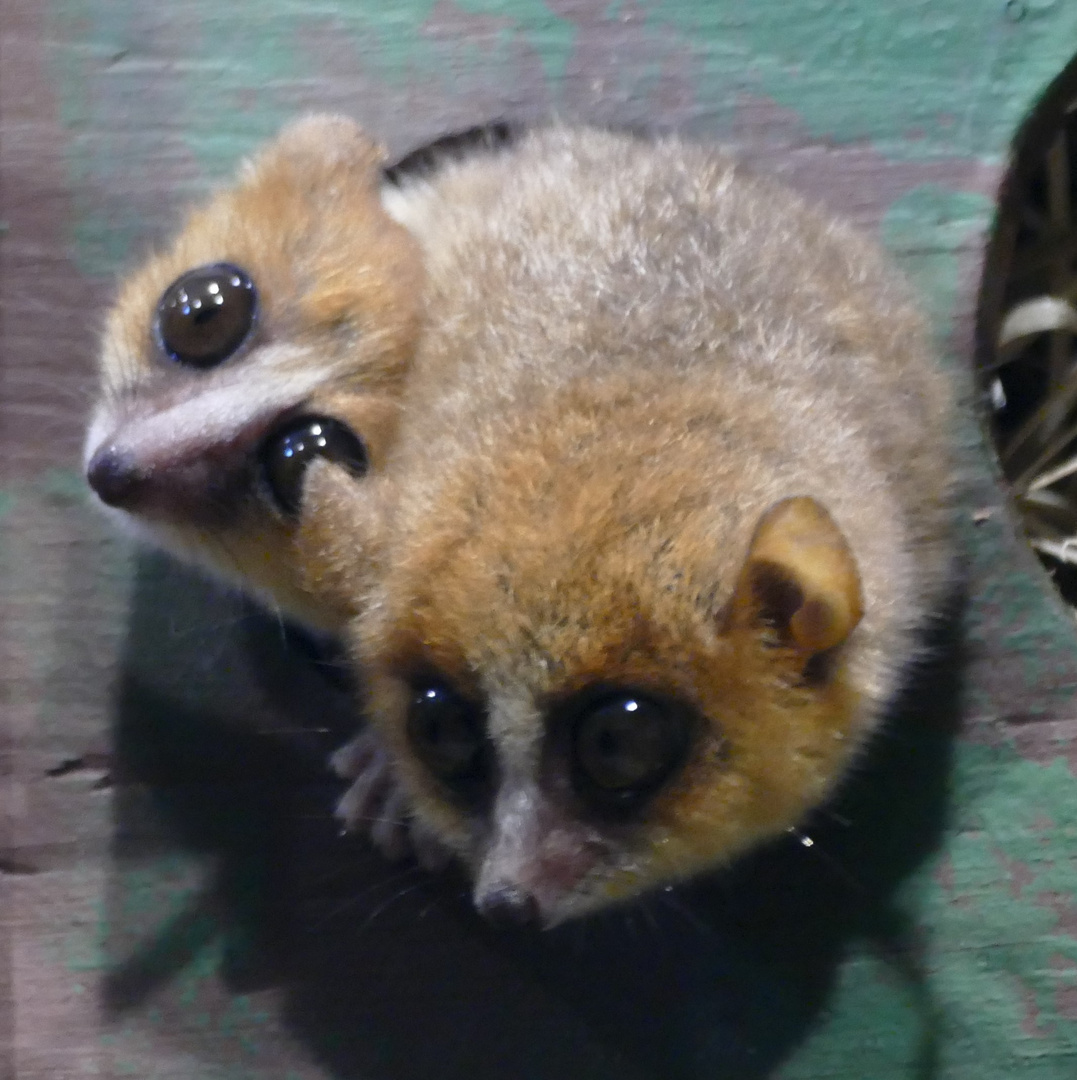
(508, 905)
(113, 475)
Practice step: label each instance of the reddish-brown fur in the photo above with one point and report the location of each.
(669, 430)
(339, 284)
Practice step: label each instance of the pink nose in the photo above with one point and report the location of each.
(115, 477)
(508, 905)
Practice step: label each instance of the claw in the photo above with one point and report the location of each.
(352, 758)
(364, 799)
(390, 830)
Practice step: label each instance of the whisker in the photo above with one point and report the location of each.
(669, 898)
(833, 864)
(649, 916)
(346, 868)
(357, 898)
(393, 879)
(392, 900)
(429, 907)
(373, 819)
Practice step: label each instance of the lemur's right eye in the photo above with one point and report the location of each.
(446, 732)
(288, 451)
(206, 314)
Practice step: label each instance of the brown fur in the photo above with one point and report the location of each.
(669, 429)
(339, 286)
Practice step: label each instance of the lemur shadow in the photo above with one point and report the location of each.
(224, 723)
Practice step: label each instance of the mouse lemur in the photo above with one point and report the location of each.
(664, 519)
(276, 327)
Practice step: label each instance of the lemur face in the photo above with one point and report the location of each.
(289, 297)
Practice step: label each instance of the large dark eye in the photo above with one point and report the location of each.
(290, 449)
(447, 734)
(625, 746)
(206, 314)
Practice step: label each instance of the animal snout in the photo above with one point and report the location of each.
(115, 476)
(508, 905)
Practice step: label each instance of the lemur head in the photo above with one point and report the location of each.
(275, 328)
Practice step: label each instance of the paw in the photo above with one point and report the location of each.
(377, 805)
(374, 803)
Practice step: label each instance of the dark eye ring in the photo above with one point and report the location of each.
(447, 734)
(624, 746)
(288, 451)
(206, 314)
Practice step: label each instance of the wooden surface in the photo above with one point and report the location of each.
(174, 901)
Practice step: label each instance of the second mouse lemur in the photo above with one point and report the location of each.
(290, 295)
(666, 516)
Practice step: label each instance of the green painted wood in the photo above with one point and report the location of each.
(182, 908)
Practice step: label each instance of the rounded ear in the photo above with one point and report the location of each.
(324, 148)
(799, 582)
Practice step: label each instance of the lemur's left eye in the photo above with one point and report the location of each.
(288, 451)
(206, 314)
(624, 746)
